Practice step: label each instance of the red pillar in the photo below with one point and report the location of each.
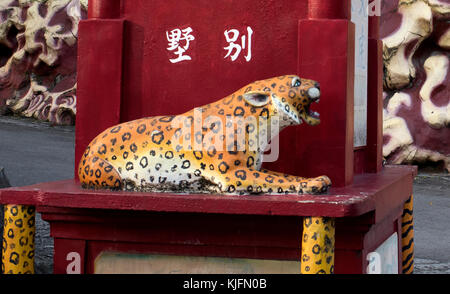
(326, 54)
(105, 9)
(329, 9)
(99, 76)
(374, 150)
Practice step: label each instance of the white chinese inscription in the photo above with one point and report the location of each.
(360, 17)
(236, 45)
(179, 43)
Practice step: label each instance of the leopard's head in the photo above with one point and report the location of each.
(288, 96)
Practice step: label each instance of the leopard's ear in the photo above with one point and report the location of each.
(257, 98)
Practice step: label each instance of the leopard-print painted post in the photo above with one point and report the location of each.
(18, 239)
(408, 237)
(318, 245)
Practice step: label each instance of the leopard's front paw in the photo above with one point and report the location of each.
(315, 185)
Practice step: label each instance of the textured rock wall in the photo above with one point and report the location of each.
(416, 44)
(38, 58)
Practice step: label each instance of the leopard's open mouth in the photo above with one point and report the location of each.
(312, 117)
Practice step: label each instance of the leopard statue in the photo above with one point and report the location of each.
(217, 148)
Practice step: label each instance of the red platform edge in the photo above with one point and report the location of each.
(379, 192)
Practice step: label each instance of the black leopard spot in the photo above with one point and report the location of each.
(188, 121)
(162, 180)
(264, 113)
(226, 102)
(239, 111)
(316, 249)
(198, 154)
(23, 241)
(126, 136)
(14, 258)
(223, 167)
(241, 174)
(141, 129)
(166, 119)
(98, 173)
(197, 172)
(169, 154)
(125, 155)
(133, 148)
(250, 161)
(250, 128)
(18, 223)
(186, 164)
(158, 137)
(292, 94)
(231, 189)
(108, 168)
(269, 179)
(143, 162)
(215, 127)
(102, 149)
(10, 234)
(116, 129)
(158, 166)
(129, 166)
(211, 151)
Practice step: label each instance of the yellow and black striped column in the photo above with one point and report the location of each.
(408, 237)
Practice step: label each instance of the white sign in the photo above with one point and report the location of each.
(384, 260)
(361, 19)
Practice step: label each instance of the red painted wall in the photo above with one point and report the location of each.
(154, 86)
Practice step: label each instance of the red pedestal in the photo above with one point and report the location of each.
(86, 223)
(125, 73)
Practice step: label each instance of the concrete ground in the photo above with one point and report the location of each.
(33, 152)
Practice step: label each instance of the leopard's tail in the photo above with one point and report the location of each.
(97, 173)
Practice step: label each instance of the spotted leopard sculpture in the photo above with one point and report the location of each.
(158, 153)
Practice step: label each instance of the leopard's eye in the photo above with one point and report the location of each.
(296, 83)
